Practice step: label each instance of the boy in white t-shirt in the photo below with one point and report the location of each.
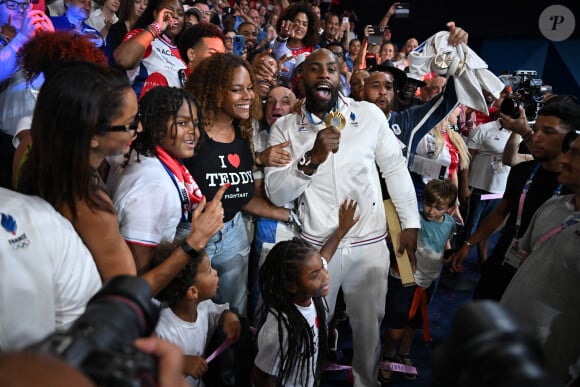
(188, 316)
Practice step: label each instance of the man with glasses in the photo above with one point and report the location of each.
(338, 51)
(205, 10)
(229, 40)
(544, 295)
(19, 23)
(77, 12)
(529, 185)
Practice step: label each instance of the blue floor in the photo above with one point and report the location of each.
(444, 303)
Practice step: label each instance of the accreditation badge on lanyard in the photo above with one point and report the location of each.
(514, 256)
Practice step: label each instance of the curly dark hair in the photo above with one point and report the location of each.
(312, 36)
(282, 266)
(49, 51)
(192, 35)
(156, 108)
(210, 83)
(177, 288)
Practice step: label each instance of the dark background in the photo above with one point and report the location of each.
(483, 19)
(505, 33)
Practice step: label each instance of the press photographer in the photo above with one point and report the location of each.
(108, 343)
(529, 92)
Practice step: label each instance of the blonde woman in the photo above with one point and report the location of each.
(443, 154)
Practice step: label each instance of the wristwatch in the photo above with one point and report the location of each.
(306, 161)
(193, 253)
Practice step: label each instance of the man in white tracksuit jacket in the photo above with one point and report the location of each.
(328, 166)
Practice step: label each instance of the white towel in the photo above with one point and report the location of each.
(469, 71)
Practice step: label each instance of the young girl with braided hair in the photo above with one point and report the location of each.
(292, 340)
(293, 335)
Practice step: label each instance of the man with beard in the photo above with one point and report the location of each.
(335, 144)
(529, 185)
(77, 12)
(409, 125)
(250, 32)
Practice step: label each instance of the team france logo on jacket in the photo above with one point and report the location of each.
(9, 225)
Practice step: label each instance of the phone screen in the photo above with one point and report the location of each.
(38, 5)
(370, 61)
(261, 36)
(402, 10)
(239, 45)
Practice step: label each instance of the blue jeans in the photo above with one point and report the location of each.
(228, 251)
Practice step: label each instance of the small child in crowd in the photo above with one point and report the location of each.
(403, 303)
(293, 337)
(188, 316)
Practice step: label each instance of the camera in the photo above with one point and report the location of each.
(378, 30)
(100, 341)
(376, 38)
(488, 348)
(529, 92)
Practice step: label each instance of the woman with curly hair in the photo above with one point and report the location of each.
(297, 30)
(225, 88)
(150, 187)
(84, 114)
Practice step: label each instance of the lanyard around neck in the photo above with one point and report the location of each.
(525, 193)
(182, 192)
(570, 220)
(311, 118)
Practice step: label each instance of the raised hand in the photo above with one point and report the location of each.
(457, 35)
(206, 220)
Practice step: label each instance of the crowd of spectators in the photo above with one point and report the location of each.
(181, 141)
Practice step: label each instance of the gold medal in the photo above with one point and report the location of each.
(335, 119)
